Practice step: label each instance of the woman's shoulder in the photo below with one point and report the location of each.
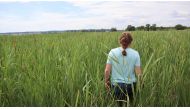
(116, 49)
(133, 50)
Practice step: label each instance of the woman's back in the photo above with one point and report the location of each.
(123, 67)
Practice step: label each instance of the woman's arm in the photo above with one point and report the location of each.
(138, 70)
(107, 76)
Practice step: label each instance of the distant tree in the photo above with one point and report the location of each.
(141, 28)
(180, 27)
(147, 27)
(113, 29)
(102, 30)
(83, 30)
(130, 28)
(153, 27)
(162, 28)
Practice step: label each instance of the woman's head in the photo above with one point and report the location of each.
(125, 40)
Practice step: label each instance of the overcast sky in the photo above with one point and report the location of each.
(65, 15)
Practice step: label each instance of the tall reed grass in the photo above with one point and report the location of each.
(67, 69)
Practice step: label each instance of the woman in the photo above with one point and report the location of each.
(122, 63)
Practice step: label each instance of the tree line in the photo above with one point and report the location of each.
(152, 27)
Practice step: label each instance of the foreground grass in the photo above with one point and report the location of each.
(68, 69)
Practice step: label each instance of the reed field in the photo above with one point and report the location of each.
(67, 69)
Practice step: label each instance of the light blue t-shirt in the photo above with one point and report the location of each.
(123, 67)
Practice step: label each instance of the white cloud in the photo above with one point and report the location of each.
(137, 13)
(97, 14)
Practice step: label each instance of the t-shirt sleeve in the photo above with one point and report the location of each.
(138, 62)
(109, 60)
